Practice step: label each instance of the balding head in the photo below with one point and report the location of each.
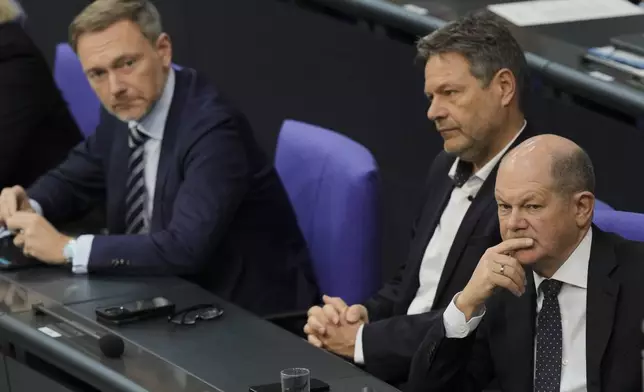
(569, 166)
(544, 189)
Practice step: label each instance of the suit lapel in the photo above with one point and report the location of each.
(518, 338)
(120, 172)
(168, 144)
(472, 216)
(600, 308)
(425, 229)
(484, 197)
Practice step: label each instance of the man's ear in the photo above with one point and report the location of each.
(164, 49)
(584, 203)
(506, 84)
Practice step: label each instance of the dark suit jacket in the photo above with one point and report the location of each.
(221, 216)
(392, 337)
(503, 345)
(36, 129)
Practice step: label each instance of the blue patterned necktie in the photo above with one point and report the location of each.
(547, 376)
(136, 221)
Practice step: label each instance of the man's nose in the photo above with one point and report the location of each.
(117, 87)
(516, 221)
(436, 110)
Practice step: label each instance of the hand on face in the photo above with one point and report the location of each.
(335, 325)
(496, 268)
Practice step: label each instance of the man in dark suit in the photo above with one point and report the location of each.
(186, 188)
(558, 301)
(36, 128)
(474, 85)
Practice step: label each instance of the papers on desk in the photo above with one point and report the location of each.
(617, 59)
(530, 13)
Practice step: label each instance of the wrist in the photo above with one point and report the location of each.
(68, 249)
(467, 305)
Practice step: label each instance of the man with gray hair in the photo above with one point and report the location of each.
(187, 190)
(475, 79)
(556, 306)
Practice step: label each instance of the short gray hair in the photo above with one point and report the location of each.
(102, 14)
(486, 43)
(573, 172)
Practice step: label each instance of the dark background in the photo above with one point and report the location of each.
(277, 60)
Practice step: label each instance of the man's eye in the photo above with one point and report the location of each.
(95, 74)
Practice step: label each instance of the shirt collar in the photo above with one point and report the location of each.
(485, 171)
(153, 123)
(573, 271)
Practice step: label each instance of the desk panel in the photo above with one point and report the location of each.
(69, 353)
(228, 354)
(66, 288)
(356, 384)
(15, 298)
(235, 351)
(4, 381)
(24, 379)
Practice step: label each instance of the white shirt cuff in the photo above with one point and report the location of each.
(454, 321)
(36, 206)
(358, 354)
(81, 252)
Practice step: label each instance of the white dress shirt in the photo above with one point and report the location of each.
(572, 304)
(152, 125)
(435, 256)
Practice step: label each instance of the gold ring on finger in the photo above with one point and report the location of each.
(502, 270)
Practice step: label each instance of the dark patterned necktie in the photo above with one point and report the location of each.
(547, 376)
(135, 218)
(463, 172)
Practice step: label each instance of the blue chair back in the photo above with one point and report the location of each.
(629, 225)
(333, 185)
(600, 205)
(72, 82)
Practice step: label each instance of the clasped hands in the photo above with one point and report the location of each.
(334, 326)
(34, 234)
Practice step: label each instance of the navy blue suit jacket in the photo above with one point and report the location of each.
(221, 216)
(392, 337)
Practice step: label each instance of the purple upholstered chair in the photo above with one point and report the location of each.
(333, 184)
(629, 225)
(81, 99)
(600, 205)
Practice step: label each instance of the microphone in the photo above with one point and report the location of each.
(110, 345)
(470, 197)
